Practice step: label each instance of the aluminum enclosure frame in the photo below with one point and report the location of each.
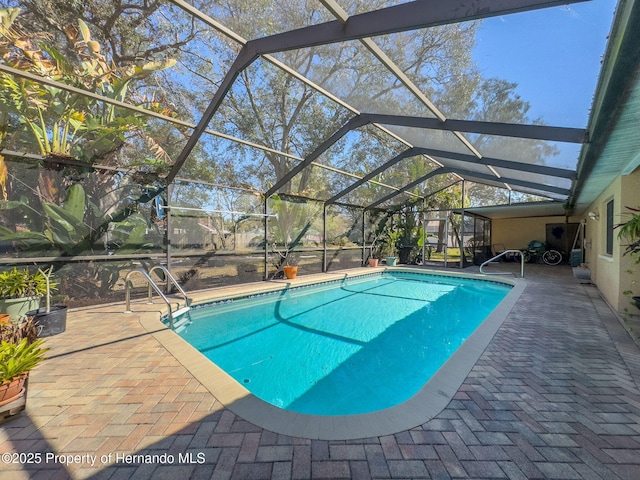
(404, 17)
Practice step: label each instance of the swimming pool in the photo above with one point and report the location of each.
(353, 346)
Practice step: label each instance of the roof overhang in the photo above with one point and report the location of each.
(520, 210)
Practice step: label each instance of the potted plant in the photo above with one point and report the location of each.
(391, 259)
(16, 361)
(20, 292)
(17, 358)
(390, 248)
(374, 254)
(290, 266)
(290, 271)
(286, 260)
(52, 320)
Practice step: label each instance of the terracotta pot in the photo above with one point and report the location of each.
(373, 262)
(9, 391)
(4, 318)
(290, 272)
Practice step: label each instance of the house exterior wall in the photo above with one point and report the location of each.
(516, 233)
(605, 268)
(616, 273)
(630, 278)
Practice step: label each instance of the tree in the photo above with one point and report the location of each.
(129, 31)
(269, 106)
(79, 132)
(272, 108)
(65, 124)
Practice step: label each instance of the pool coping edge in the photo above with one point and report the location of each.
(429, 401)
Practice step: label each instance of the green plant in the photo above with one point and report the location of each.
(49, 285)
(60, 122)
(630, 230)
(388, 236)
(19, 358)
(390, 243)
(286, 257)
(65, 123)
(22, 284)
(289, 228)
(75, 227)
(424, 242)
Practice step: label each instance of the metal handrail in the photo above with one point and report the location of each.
(154, 286)
(498, 256)
(171, 280)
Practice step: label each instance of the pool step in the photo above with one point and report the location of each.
(181, 319)
(181, 311)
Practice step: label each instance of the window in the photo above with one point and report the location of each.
(609, 241)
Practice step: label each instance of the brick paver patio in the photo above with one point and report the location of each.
(555, 395)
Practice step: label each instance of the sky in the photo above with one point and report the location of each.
(554, 55)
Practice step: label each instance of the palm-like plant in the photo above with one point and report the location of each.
(62, 122)
(16, 283)
(630, 231)
(19, 358)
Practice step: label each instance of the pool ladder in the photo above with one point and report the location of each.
(491, 260)
(172, 316)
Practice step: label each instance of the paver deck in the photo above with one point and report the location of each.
(554, 395)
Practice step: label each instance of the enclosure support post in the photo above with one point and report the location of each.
(266, 242)
(462, 229)
(566, 235)
(168, 212)
(324, 238)
(424, 231)
(364, 241)
(446, 238)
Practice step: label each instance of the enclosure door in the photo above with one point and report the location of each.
(481, 240)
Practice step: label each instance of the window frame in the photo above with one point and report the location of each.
(609, 226)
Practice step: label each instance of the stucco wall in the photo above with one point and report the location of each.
(630, 278)
(605, 269)
(611, 273)
(518, 232)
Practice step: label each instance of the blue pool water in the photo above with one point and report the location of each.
(356, 346)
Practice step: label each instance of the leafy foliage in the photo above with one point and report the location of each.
(290, 226)
(16, 283)
(19, 358)
(630, 231)
(62, 122)
(68, 230)
(68, 218)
